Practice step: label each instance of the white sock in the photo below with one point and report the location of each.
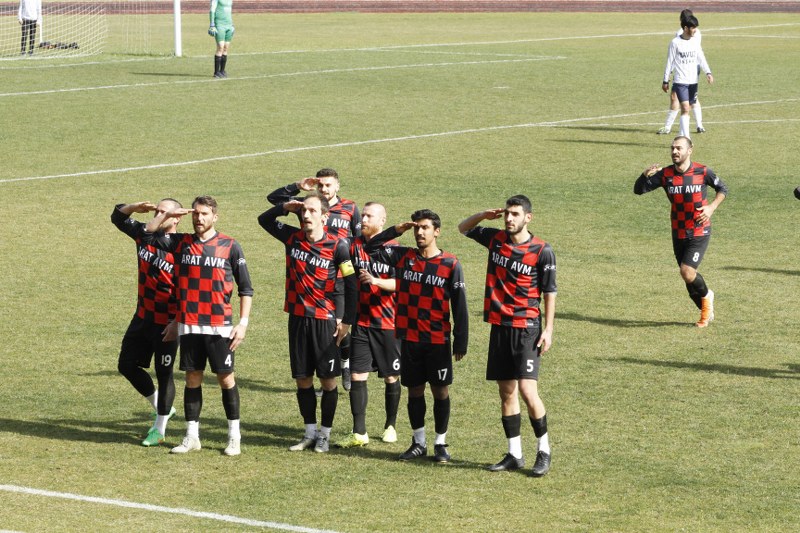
(515, 446)
(698, 114)
(311, 431)
(685, 125)
(193, 429)
(153, 399)
(441, 438)
(325, 432)
(233, 429)
(671, 116)
(161, 424)
(419, 436)
(544, 444)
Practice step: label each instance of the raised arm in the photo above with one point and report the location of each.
(649, 180)
(470, 222)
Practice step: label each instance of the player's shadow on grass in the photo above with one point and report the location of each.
(620, 323)
(85, 430)
(763, 270)
(208, 381)
(792, 371)
(173, 75)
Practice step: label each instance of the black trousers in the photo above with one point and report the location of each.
(28, 34)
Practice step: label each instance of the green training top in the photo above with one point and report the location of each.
(220, 14)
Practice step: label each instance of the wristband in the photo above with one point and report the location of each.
(244, 321)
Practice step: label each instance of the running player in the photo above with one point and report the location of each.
(208, 263)
(429, 282)
(221, 29)
(521, 271)
(686, 185)
(314, 258)
(156, 307)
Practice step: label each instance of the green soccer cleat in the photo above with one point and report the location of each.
(353, 440)
(153, 438)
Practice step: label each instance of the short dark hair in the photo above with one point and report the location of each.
(427, 214)
(522, 201)
(206, 200)
(173, 200)
(327, 173)
(684, 137)
(685, 14)
(323, 202)
(690, 22)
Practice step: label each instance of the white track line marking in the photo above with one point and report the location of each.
(161, 509)
(555, 123)
(281, 75)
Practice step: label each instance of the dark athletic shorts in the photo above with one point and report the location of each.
(312, 347)
(513, 353)
(685, 93)
(690, 251)
(142, 340)
(375, 349)
(421, 362)
(196, 349)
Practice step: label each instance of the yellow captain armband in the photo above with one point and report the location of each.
(346, 268)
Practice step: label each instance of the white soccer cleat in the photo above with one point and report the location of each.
(189, 444)
(234, 447)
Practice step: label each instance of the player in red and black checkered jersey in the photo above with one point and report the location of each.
(374, 345)
(344, 221)
(686, 185)
(521, 271)
(430, 287)
(314, 258)
(156, 307)
(207, 265)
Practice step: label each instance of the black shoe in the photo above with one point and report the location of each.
(224, 74)
(542, 464)
(218, 75)
(508, 463)
(701, 130)
(440, 454)
(347, 378)
(414, 451)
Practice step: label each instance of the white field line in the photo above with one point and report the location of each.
(545, 124)
(749, 36)
(161, 509)
(281, 75)
(413, 46)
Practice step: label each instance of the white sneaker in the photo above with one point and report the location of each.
(306, 443)
(234, 447)
(389, 434)
(322, 445)
(189, 444)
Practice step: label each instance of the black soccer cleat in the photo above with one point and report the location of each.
(507, 464)
(542, 464)
(701, 130)
(440, 454)
(414, 451)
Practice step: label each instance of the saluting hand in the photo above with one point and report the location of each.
(308, 184)
(652, 169)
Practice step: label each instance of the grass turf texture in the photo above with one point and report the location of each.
(655, 425)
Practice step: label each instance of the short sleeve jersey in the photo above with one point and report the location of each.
(207, 271)
(156, 301)
(376, 307)
(516, 277)
(687, 192)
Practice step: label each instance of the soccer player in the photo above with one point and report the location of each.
(684, 56)
(221, 29)
(374, 344)
(314, 257)
(686, 185)
(674, 105)
(155, 308)
(207, 263)
(429, 283)
(521, 271)
(343, 221)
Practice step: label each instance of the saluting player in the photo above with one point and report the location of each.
(374, 344)
(156, 307)
(521, 271)
(343, 222)
(686, 185)
(208, 263)
(429, 283)
(313, 260)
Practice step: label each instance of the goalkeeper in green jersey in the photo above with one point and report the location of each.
(221, 29)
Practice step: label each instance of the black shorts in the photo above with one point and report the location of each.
(421, 362)
(375, 349)
(690, 251)
(196, 349)
(312, 347)
(142, 340)
(685, 92)
(513, 353)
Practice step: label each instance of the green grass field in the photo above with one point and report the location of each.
(655, 425)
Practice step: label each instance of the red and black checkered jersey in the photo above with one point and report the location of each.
(375, 306)
(687, 192)
(516, 277)
(206, 273)
(156, 300)
(344, 220)
(426, 289)
(311, 270)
